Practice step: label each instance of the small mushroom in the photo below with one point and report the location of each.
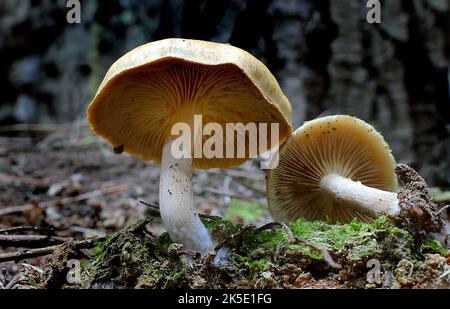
(155, 86)
(336, 167)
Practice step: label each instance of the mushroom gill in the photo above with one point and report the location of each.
(336, 145)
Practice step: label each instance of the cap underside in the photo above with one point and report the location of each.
(138, 107)
(342, 145)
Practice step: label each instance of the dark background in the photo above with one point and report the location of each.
(326, 56)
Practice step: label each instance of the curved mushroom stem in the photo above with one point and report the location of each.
(177, 204)
(374, 202)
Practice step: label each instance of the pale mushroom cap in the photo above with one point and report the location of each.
(161, 83)
(340, 144)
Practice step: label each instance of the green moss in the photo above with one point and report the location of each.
(434, 246)
(253, 266)
(246, 211)
(358, 252)
(160, 247)
(97, 251)
(220, 229)
(333, 237)
(132, 259)
(337, 236)
(33, 282)
(174, 275)
(217, 223)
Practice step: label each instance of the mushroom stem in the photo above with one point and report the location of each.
(177, 204)
(373, 202)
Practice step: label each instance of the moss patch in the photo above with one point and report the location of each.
(434, 246)
(247, 212)
(261, 258)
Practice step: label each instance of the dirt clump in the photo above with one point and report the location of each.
(268, 259)
(419, 213)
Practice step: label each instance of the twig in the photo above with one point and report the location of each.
(37, 269)
(277, 252)
(4, 276)
(236, 174)
(26, 180)
(85, 230)
(226, 193)
(444, 208)
(269, 226)
(30, 241)
(13, 281)
(42, 230)
(2, 279)
(226, 240)
(294, 239)
(65, 200)
(32, 253)
(326, 255)
(229, 238)
(155, 210)
(289, 232)
(33, 127)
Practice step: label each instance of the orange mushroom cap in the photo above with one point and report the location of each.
(158, 84)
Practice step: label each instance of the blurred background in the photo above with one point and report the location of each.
(54, 173)
(326, 56)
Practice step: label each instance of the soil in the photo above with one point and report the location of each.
(138, 254)
(418, 210)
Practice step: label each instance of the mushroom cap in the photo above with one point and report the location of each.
(340, 144)
(154, 86)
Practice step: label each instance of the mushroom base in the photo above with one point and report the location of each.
(177, 206)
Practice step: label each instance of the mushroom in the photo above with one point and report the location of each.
(160, 84)
(337, 168)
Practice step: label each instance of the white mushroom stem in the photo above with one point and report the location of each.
(373, 202)
(177, 204)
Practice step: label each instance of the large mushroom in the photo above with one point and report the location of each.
(337, 168)
(160, 84)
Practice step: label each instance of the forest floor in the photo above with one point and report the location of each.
(69, 186)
